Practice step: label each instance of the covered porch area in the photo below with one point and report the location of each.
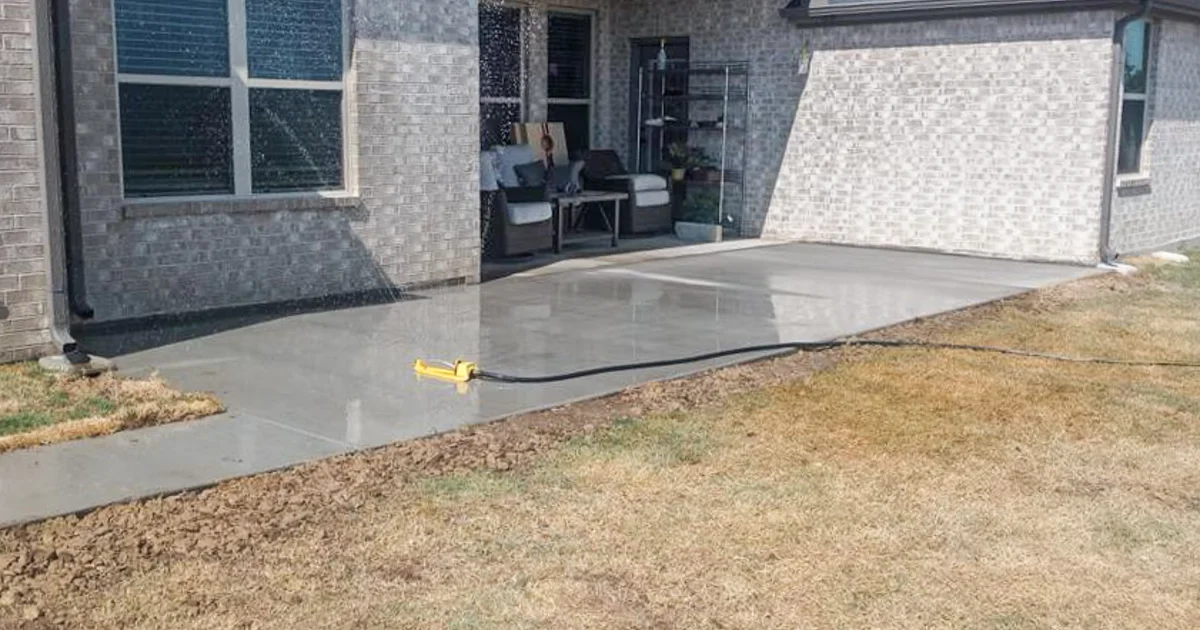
(650, 85)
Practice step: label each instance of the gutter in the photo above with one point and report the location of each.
(1116, 81)
(47, 125)
(816, 13)
(806, 15)
(68, 175)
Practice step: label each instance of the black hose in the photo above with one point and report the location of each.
(821, 346)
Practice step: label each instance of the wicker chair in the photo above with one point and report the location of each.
(649, 208)
(515, 220)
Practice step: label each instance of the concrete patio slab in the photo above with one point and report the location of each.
(313, 385)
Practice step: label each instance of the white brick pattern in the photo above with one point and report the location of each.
(24, 319)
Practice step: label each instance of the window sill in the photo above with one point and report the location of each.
(1133, 184)
(152, 208)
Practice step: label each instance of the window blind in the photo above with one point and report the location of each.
(173, 37)
(175, 140)
(570, 56)
(295, 39)
(295, 140)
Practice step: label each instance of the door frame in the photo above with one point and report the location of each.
(593, 70)
(632, 107)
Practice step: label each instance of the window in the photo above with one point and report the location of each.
(501, 73)
(1135, 102)
(570, 80)
(231, 97)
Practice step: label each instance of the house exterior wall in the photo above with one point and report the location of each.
(413, 219)
(1161, 207)
(981, 136)
(24, 308)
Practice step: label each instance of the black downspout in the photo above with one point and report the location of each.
(45, 64)
(68, 154)
(1107, 255)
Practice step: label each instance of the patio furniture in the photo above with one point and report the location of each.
(649, 207)
(514, 219)
(564, 204)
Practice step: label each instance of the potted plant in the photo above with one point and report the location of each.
(701, 220)
(700, 166)
(679, 158)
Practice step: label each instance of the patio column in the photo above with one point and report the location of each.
(536, 65)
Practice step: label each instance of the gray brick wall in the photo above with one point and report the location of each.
(24, 319)
(415, 218)
(1163, 207)
(983, 136)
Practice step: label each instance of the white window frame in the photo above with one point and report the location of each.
(1143, 169)
(239, 84)
(522, 98)
(592, 58)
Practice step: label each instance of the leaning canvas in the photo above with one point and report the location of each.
(547, 139)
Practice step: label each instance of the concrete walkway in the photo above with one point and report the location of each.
(310, 386)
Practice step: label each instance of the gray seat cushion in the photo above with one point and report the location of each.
(651, 198)
(644, 181)
(529, 213)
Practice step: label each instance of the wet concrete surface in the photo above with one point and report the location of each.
(312, 385)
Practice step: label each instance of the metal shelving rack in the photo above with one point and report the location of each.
(709, 87)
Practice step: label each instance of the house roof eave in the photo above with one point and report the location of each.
(803, 13)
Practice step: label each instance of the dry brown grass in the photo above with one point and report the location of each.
(897, 489)
(37, 407)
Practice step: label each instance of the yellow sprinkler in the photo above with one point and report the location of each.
(460, 372)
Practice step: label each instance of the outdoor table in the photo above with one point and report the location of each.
(563, 203)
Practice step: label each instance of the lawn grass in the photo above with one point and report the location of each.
(39, 407)
(896, 489)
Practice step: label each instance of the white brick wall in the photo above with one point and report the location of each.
(983, 136)
(1164, 208)
(24, 319)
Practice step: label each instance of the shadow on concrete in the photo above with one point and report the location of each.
(126, 337)
(499, 268)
